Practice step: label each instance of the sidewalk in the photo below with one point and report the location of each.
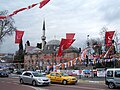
(90, 81)
(99, 80)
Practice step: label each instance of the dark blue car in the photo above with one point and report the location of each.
(3, 74)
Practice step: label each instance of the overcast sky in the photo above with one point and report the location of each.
(82, 17)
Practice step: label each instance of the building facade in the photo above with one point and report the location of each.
(48, 56)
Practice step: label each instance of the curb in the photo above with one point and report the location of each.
(89, 81)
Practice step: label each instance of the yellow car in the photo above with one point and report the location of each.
(60, 77)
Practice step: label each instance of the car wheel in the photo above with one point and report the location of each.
(21, 81)
(111, 85)
(34, 83)
(64, 82)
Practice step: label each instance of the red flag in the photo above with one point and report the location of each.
(16, 11)
(11, 14)
(31, 6)
(108, 37)
(44, 2)
(70, 35)
(2, 17)
(18, 36)
(61, 47)
(68, 43)
(64, 44)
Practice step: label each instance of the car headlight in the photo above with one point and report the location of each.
(69, 79)
(39, 79)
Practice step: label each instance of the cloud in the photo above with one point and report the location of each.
(110, 10)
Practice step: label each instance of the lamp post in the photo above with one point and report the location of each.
(40, 62)
(53, 57)
(88, 41)
(40, 65)
(37, 62)
(88, 48)
(30, 62)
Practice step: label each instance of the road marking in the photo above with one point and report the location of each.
(89, 88)
(96, 82)
(37, 88)
(17, 83)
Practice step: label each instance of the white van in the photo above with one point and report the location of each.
(112, 77)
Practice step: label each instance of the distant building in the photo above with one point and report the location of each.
(48, 56)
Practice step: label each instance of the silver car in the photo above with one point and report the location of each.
(112, 78)
(34, 78)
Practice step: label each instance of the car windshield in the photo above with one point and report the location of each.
(3, 72)
(64, 74)
(38, 75)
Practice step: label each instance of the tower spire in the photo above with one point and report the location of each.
(43, 36)
(44, 25)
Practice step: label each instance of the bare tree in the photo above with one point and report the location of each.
(6, 25)
(96, 45)
(102, 34)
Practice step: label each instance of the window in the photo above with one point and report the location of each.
(117, 73)
(27, 74)
(57, 74)
(52, 74)
(38, 75)
(110, 74)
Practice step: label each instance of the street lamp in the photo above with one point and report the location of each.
(54, 56)
(54, 51)
(30, 64)
(88, 51)
(88, 41)
(40, 62)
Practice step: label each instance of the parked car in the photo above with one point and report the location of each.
(112, 78)
(60, 77)
(72, 73)
(34, 78)
(3, 74)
